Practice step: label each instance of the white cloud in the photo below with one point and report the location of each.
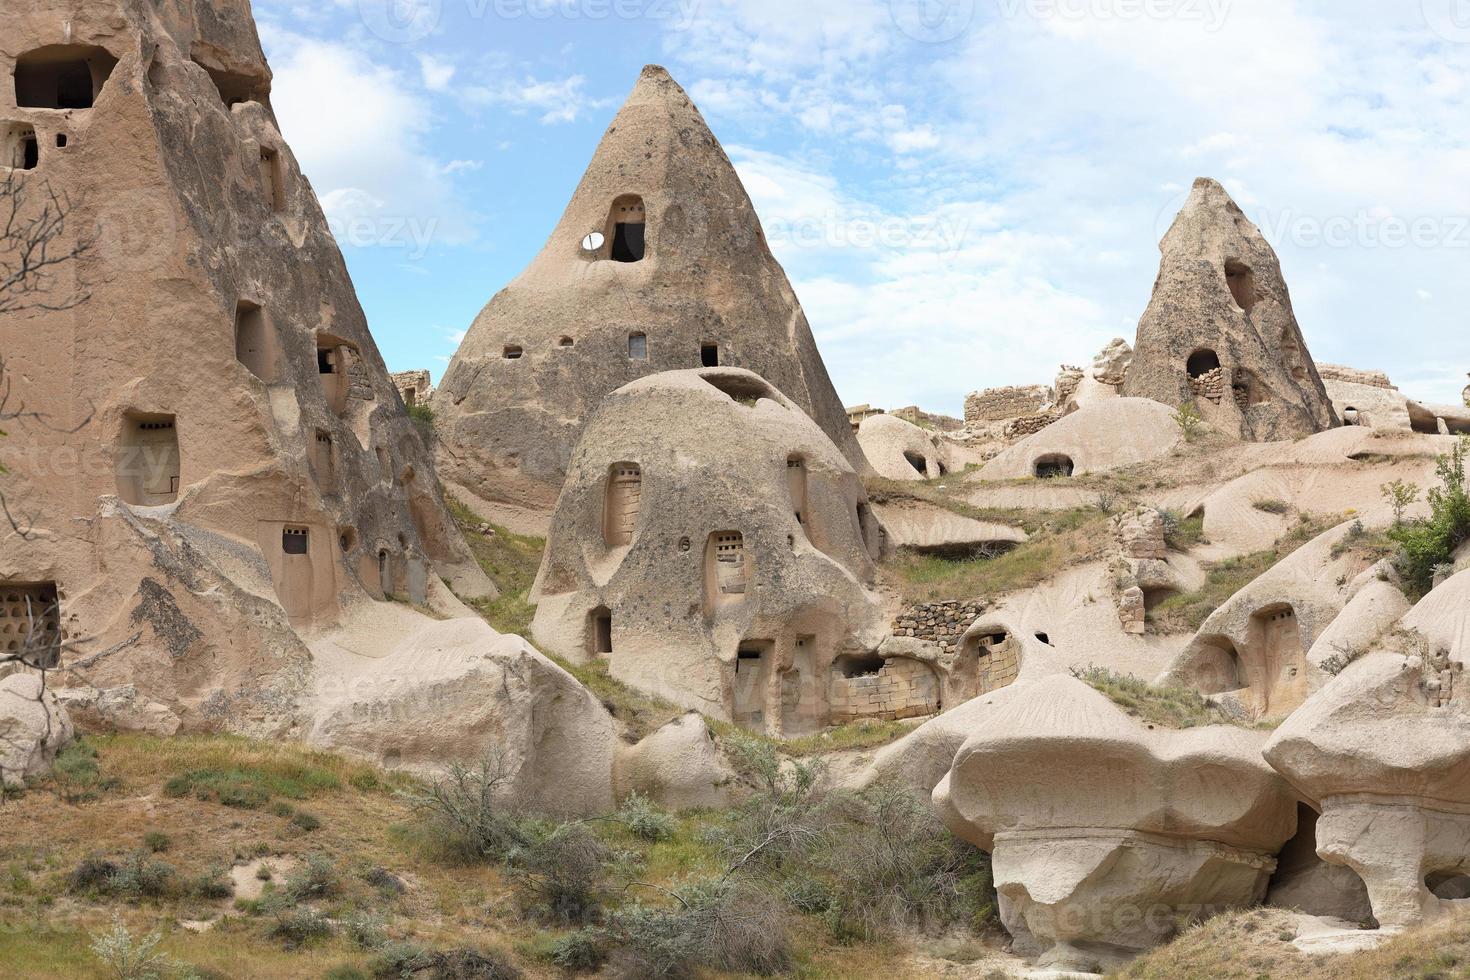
(361, 134)
(438, 72)
(557, 101)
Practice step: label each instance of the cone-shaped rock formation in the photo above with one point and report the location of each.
(1220, 330)
(658, 264)
(214, 462)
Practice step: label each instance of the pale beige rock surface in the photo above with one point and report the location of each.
(1220, 304)
(217, 404)
(1132, 831)
(1094, 439)
(33, 728)
(581, 322)
(716, 548)
(680, 767)
(899, 450)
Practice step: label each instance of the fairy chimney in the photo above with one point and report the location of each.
(1220, 331)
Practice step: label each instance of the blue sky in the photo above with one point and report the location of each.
(965, 193)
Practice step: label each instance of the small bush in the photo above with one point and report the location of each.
(297, 927)
(316, 878)
(583, 951)
(719, 924)
(1426, 545)
(645, 820)
(384, 881)
(130, 958)
(367, 929)
(407, 960)
(562, 867)
(305, 822)
(1400, 496)
(229, 788)
(76, 774)
(135, 876)
(157, 841)
(212, 885)
(1271, 506)
(1189, 420)
(463, 819)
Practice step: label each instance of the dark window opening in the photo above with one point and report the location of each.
(709, 355)
(346, 539)
(637, 347)
(255, 345)
(628, 223)
(62, 76)
(296, 540)
(19, 147)
(272, 179)
(917, 461)
(1054, 467)
(513, 353)
(566, 342)
(148, 460)
(1044, 638)
(1242, 283)
(993, 639)
(858, 665)
(601, 620)
(1451, 885)
(1202, 362)
(30, 152)
(325, 358)
(61, 141)
(235, 88)
(742, 388)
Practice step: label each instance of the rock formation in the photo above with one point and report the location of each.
(1106, 836)
(33, 728)
(1104, 435)
(1220, 330)
(716, 547)
(1384, 751)
(900, 450)
(1365, 398)
(659, 263)
(218, 464)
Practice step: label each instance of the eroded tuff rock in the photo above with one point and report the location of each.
(680, 766)
(1220, 330)
(716, 548)
(1384, 751)
(676, 274)
(1106, 835)
(222, 464)
(900, 450)
(33, 728)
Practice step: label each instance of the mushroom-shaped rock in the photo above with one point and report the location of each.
(658, 263)
(1106, 834)
(1384, 749)
(1220, 330)
(33, 728)
(714, 546)
(899, 450)
(1096, 438)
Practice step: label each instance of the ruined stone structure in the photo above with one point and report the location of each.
(659, 263)
(1005, 404)
(218, 466)
(1220, 330)
(939, 622)
(414, 387)
(716, 548)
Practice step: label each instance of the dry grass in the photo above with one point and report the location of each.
(1165, 707)
(511, 561)
(1066, 538)
(1255, 944)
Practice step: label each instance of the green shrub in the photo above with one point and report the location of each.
(76, 773)
(1271, 506)
(645, 820)
(300, 926)
(214, 885)
(384, 881)
(409, 960)
(715, 924)
(583, 951)
(130, 958)
(1428, 544)
(157, 841)
(367, 929)
(134, 876)
(1189, 420)
(462, 816)
(304, 821)
(316, 878)
(562, 868)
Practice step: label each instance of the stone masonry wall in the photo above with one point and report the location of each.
(1001, 404)
(940, 622)
(901, 689)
